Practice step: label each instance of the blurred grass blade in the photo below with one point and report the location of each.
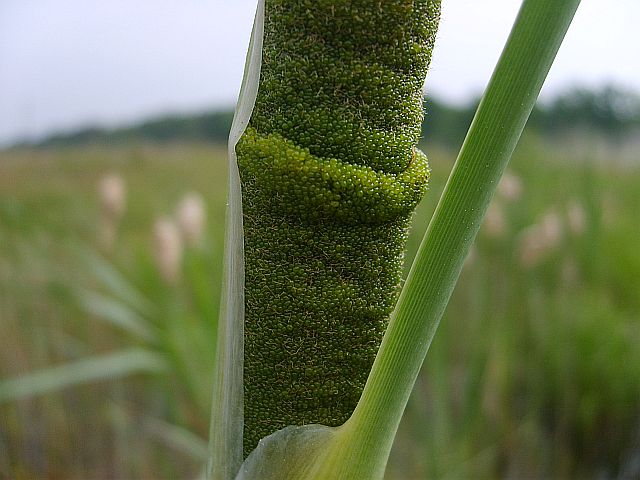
(114, 281)
(93, 369)
(178, 438)
(117, 314)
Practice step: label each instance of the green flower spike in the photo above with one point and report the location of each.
(330, 176)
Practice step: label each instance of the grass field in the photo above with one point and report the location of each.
(106, 353)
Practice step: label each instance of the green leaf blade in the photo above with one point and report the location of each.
(89, 370)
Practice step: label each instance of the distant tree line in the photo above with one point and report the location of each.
(610, 112)
(206, 127)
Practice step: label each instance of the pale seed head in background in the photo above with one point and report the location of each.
(167, 249)
(540, 240)
(495, 224)
(112, 193)
(510, 187)
(552, 228)
(191, 215)
(530, 246)
(113, 196)
(576, 217)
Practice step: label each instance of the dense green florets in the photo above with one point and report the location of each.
(344, 78)
(300, 185)
(330, 175)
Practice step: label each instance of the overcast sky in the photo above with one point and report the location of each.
(70, 63)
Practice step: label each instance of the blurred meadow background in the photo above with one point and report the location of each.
(111, 246)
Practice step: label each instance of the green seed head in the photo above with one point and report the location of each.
(330, 176)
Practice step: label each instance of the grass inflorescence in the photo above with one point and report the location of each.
(330, 176)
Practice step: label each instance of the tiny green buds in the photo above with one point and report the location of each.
(330, 176)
